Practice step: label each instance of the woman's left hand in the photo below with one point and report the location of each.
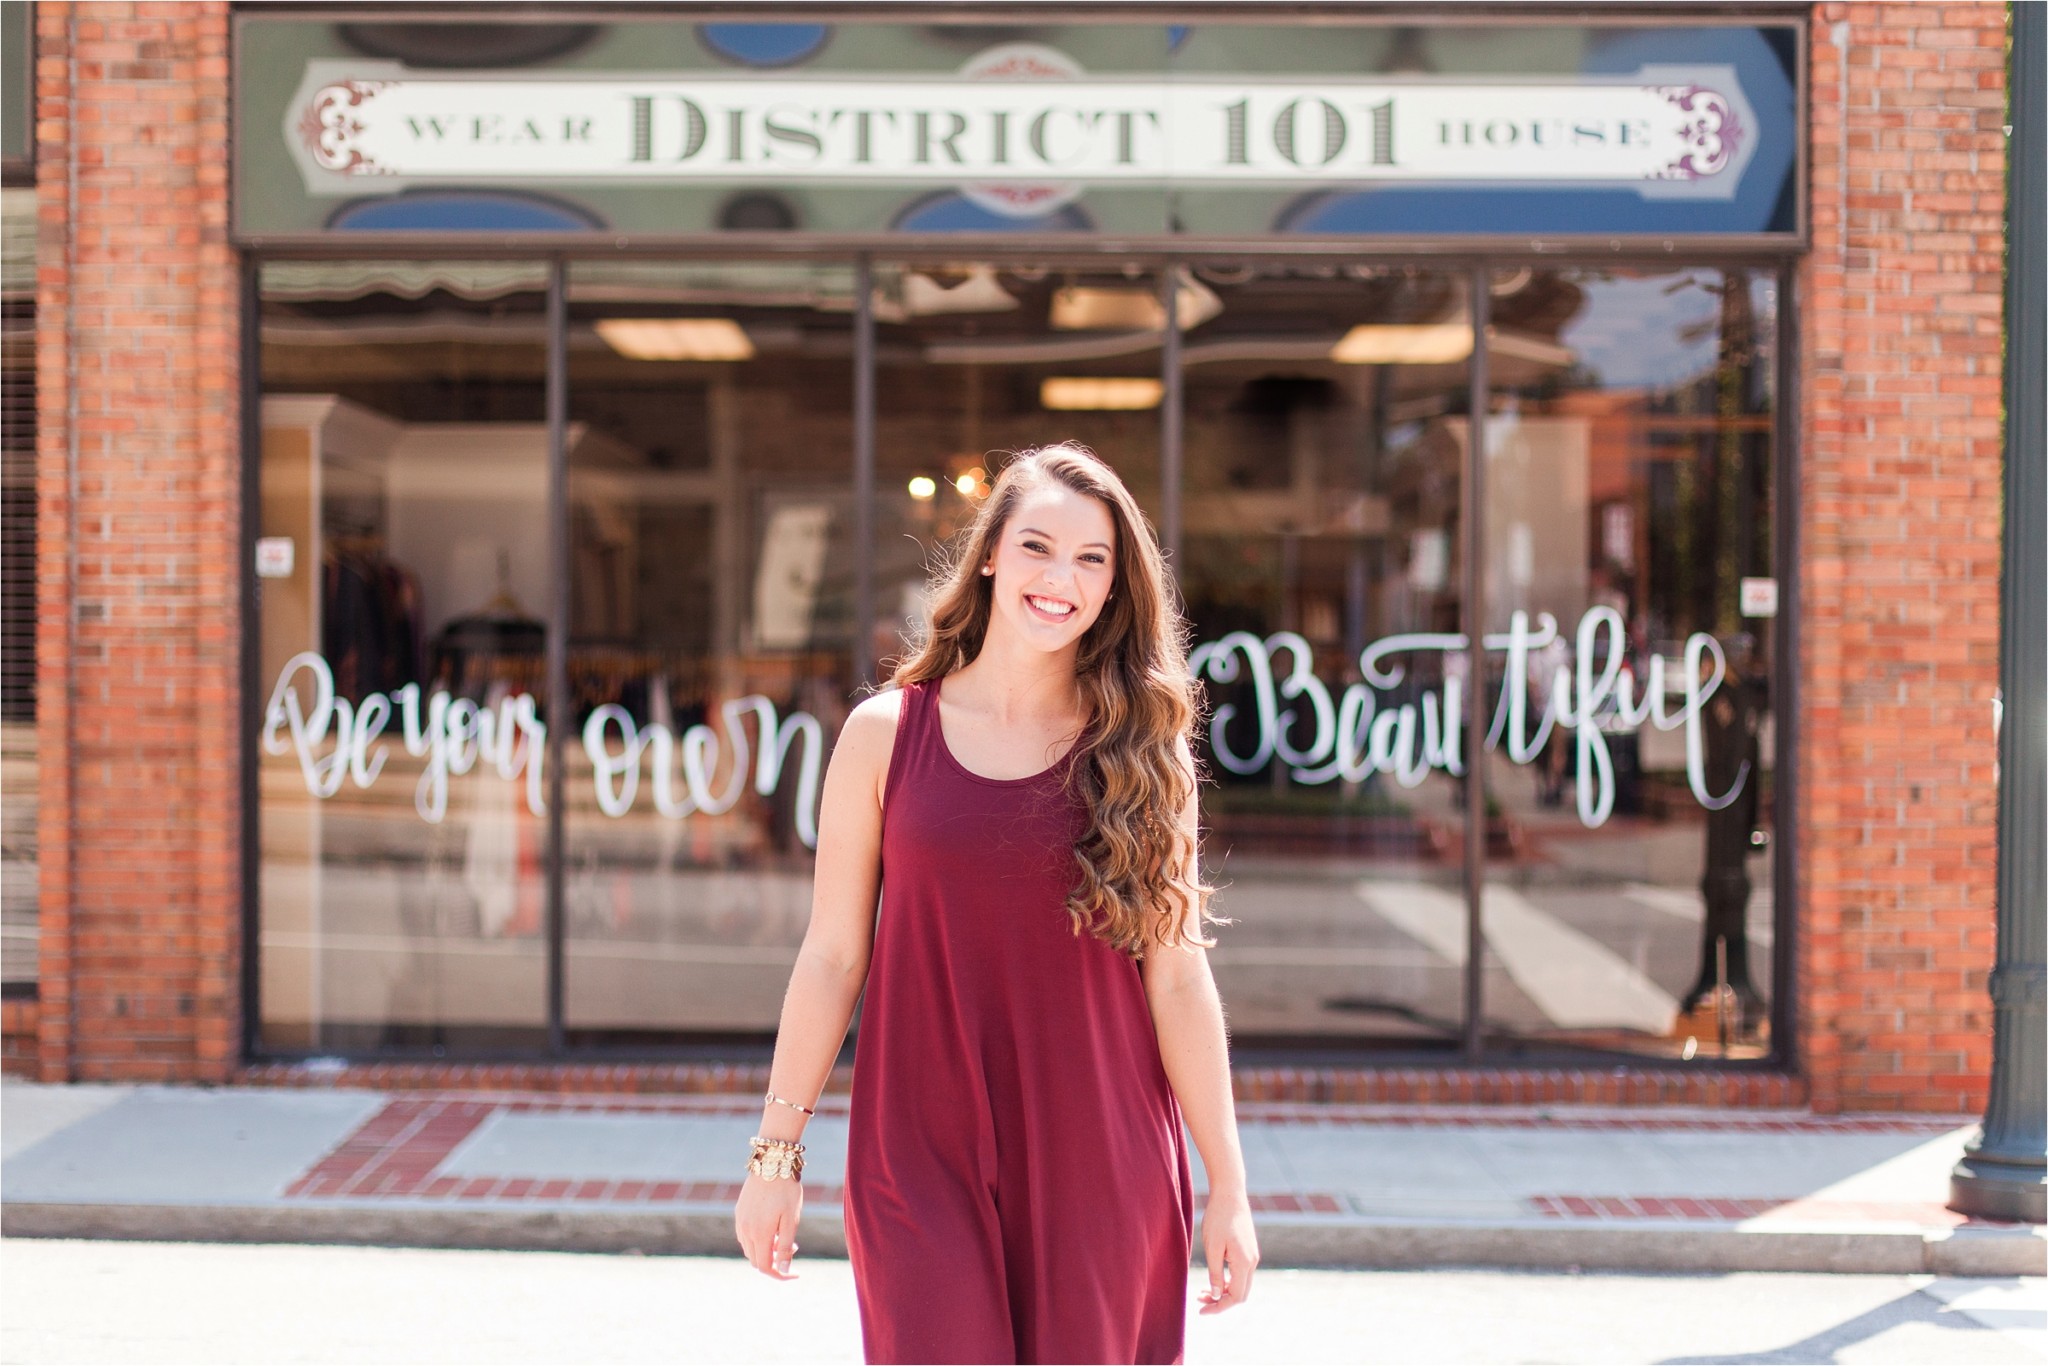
(1230, 1246)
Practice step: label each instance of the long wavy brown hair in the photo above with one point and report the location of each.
(1138, 869)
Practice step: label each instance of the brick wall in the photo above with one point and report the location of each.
(1899, 463)
(1900, 473)
(137, 627)
(20, 1042)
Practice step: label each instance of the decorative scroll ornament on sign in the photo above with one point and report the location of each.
(1020, 127)
(1294, 719)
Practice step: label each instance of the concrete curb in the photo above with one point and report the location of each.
(702, 1230)
(1649, 1245)
(1285, 1240)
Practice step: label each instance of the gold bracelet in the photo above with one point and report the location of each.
(774, 1099)
(776, 1159)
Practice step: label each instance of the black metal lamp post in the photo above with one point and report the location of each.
(2001, 1176)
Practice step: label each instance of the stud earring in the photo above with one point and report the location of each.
(988, 569)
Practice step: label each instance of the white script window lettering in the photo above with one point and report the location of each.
(1375, 725)
(1365, 731)
(337, 741)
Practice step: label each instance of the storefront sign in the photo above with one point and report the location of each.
(1759, 597)
(1022, 113)
(1351, 736)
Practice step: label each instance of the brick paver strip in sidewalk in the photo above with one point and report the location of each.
(1565, 1120)
(1729, 1210)
(399, 1151)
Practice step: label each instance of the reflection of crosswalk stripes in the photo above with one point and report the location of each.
(1688, 905)
(1574, 979)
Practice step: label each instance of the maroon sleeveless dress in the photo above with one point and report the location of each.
(1017, 1178)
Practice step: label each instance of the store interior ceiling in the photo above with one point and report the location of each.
(976, 313)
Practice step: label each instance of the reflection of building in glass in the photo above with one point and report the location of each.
(712, 589)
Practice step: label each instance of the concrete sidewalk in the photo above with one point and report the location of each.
(1645, 1189)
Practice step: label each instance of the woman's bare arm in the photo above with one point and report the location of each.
(1194, 1045)
(831, 966)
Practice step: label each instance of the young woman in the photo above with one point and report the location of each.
(1040, 1013)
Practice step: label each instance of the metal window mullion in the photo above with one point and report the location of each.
(557, 641)
(864, 661)
(1472, 520)
(1170, 422)
(1785, 694)
(251, 606)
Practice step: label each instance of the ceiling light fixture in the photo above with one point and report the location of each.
(1092, 393)
(676, 338)
(1087, 308)
(1097, 308)
(1404, 344)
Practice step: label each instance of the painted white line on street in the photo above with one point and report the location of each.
(1574, 979)
(1433, 916)
(1318, 956)
(1689, 906)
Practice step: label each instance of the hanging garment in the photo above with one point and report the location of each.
(1017, 1178)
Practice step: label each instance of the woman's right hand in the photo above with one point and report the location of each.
(765, 1219)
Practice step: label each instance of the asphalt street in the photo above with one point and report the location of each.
(100, 1302)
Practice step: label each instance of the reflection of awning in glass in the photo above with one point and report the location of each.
(824, 286)
(432, 328)
(322, 281)
(18, 242)
(402, 331)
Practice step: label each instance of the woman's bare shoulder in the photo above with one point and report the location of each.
(877, 713)
(868, 738)
(870, 728)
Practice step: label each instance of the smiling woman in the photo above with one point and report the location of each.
(1034, 977)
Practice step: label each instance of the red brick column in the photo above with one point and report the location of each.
(1899, 475)
(137, 468)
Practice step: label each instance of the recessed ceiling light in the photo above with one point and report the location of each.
(676, 338)
(1080, 308)
(1091, 393)
(1086, 308)
(1404, 344)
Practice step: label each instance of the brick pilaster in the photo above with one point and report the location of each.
(139, 507)
(1899, 479)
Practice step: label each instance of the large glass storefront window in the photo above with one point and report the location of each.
(1320, 509)
(714, 600)
(20, 770)
(711, 657)
(404, 580)
(1629, 591)
(791, 291)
